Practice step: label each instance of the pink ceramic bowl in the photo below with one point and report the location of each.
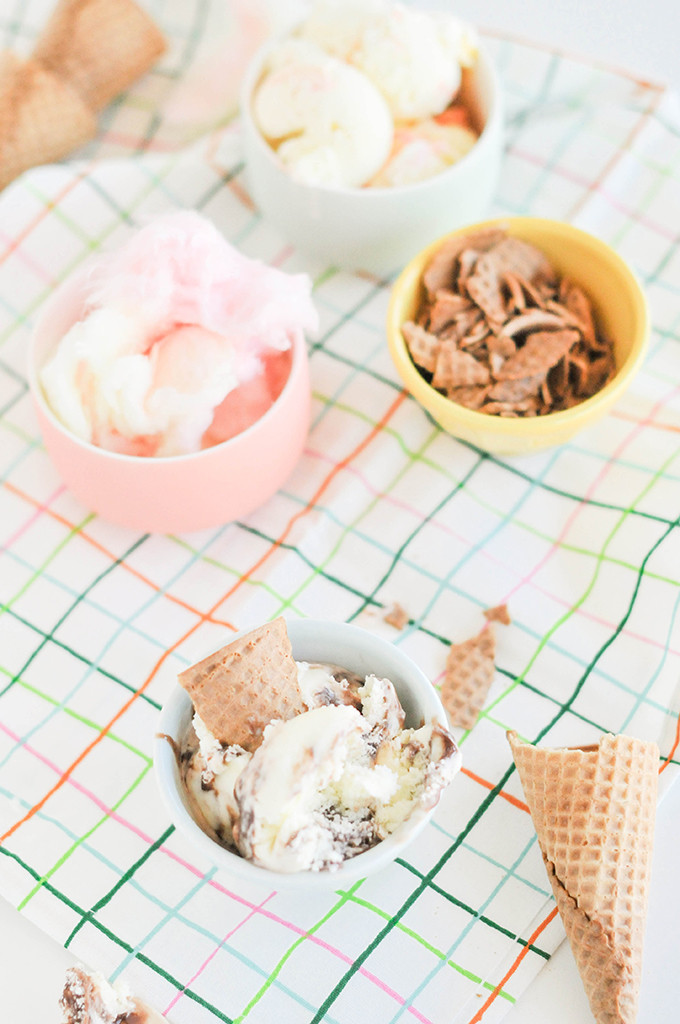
(178, 493)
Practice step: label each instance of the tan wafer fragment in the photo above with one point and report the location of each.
(99, 46)
(578, 304)
(41, 118)
(515, 391)
(461, 327)
(517, 299)
(456, 369)
(499, 613)
(396, 616)
(88, 998)
(441, 268)
(471, 397)
(485, 284)
(468, 678)
(423, 346)
(593, 809)
(541, 351)
(446, 307)
(245, 685)
(534, 295)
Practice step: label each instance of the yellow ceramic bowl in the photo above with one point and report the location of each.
(621, 313)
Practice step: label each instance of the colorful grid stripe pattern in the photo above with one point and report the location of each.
(582, 541)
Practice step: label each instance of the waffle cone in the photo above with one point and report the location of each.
(41, 118)
(100, 47)
(241, 688)
(468, 677)
(593, 809)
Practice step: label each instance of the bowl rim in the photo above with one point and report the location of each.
(492, 125)
(519, 427)
(71, 283)
(178, 705)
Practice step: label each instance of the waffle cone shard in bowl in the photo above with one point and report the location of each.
(100, 47)
(593, 809)
(245, 685)
(41, 118)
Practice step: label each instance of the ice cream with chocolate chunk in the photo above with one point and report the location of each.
(332, 770)
(88, 998)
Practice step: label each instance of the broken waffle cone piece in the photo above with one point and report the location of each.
(244, 686)
(441, 270)
(100, 47)
(41, 118)
(456, 369)
(541, 351)
(593, 809)
(468, 678)
(88, 998)
(396, 616)
(499, 613)
(424, 347)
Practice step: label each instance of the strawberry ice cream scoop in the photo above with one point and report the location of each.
(176, 320)
(422, 149)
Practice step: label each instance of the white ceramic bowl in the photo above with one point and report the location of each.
(312, 640)
(377, 229)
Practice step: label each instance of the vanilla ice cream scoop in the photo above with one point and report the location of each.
(286, 792)
(415, 58)
(337, 25)
(325, 784)
(327, 122)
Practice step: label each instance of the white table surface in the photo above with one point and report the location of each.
(622, 34)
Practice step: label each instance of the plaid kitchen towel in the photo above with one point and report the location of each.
(581, 541)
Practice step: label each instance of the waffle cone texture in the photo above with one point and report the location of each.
(41, 117)
(89, 52)
(100, 47)
(242, 687)
(468, 678)
(594, 809)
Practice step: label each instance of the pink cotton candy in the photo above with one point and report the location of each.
(180, 270)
